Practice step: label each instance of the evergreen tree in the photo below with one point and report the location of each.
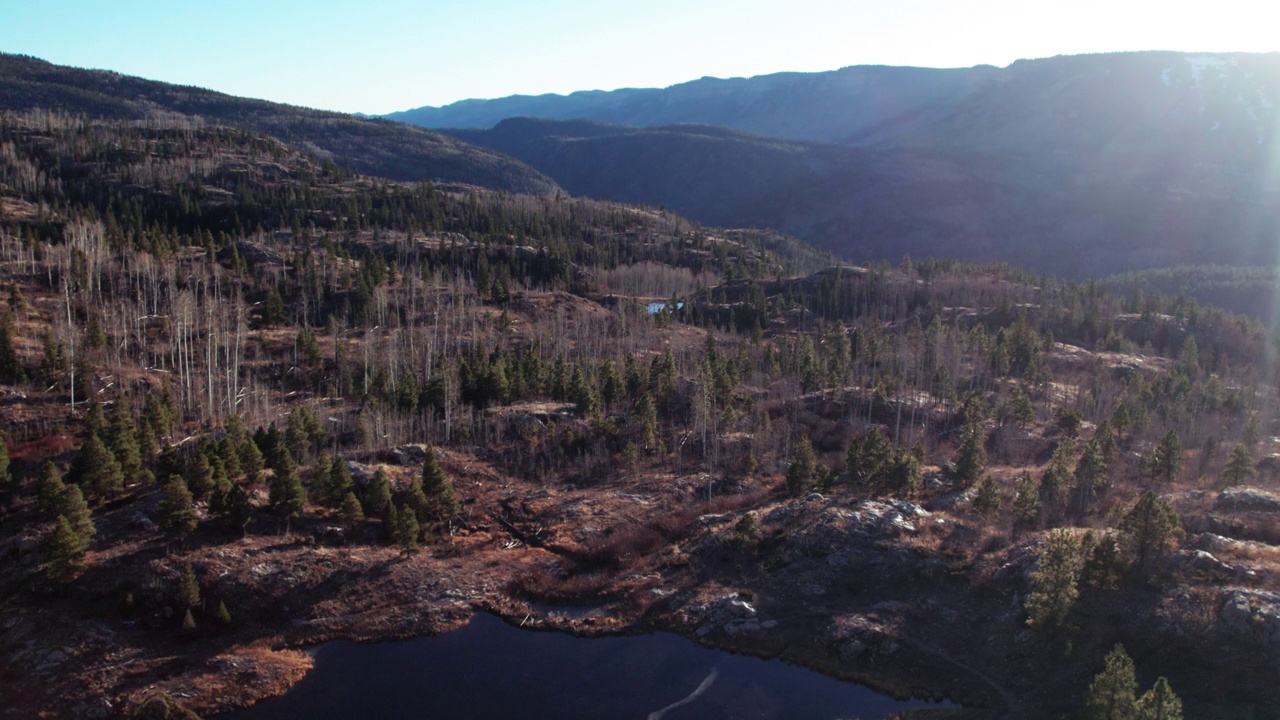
(321, 472)
(1054, 582)
(123, 442)
(200, 476)
(285, 492)
(177, 513)
(224, 615)
(644, 418)
(377, 498)
(801, 470)
(50, 492)
(1026, 501)
(188, 588)
(442, 503)
(352, 514)
(1091, 476)
(273, 312)
(971, 459)
(10, 366)
(238, 510)
(7, 483)
(96, 468)
(251, 462)
(1159, 703)
(64, 551)
(405, 530)
(188, 623)
(1111, 695)
(1149, 529)
(76, 510)
(340, 482)
(867, 460)
(1239, 466)
(1165, 461)
(987, 501)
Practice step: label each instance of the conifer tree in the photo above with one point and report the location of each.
(123, 442)
(1055, 580)
(321, 472)
(803, 464)
(177, 513)
(285, 493)
(1239, 466)
(987, 501)
(10, 366)
(377, 498)
(340, 482)
(352, 514)
(224, 615)
(50, 492)
(188, 622)
(251, 462)
(64, 551)
(188, 588)
(1160, 703)
(442, 503)
(6, 477)
(1026, 501)
(1149, 529)
(1165, 461)
(96, 468)
(200, 476)
(405, 531)
(1111, 695)
(971, 459)
(76, 510)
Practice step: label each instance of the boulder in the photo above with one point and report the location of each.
(1251, 616)
(1247, 499)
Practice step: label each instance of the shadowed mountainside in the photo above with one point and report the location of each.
(370, 146)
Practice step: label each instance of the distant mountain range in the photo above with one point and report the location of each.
(375, 147)
(1081, 165)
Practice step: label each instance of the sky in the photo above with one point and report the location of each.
(378, 56)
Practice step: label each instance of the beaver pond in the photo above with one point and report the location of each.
(490, 670)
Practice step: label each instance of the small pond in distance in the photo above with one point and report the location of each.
(490, 670)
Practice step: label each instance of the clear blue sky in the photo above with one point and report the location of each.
(377, 56)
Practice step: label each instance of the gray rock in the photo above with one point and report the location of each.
(1247, 499)
(1252, 616)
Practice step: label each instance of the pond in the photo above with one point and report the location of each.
(489, 670)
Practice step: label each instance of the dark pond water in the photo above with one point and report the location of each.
(489, 670)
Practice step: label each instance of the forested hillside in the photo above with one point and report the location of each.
(253, 401)
(376, 147)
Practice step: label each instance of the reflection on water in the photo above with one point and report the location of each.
(489, 670)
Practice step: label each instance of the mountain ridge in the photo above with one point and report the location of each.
(371, 146)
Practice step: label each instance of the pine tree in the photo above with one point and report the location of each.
(1054, 582)
(867, 460)
(987, 501)
(1149, 529)
(200, 476)
(971, 459)
(1026, 501)
(1239, 466)
(251, 462)
(273, 312)
(801, 470)
(405, 530)
(177, 513)
(96, 468)
(224, 615)
(285, 492)
(340, 482)
(238, 510)
(64, 551)
(442, 503)
(1165, 461)
(352, 514)
(6, 477)
(10, 366)
(76, 510)
(188, 588)
(1159, 703)
(377, 499)
(123, 442)
(50, 492)
(188, 623)
(1111, 694)
(321, 472)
